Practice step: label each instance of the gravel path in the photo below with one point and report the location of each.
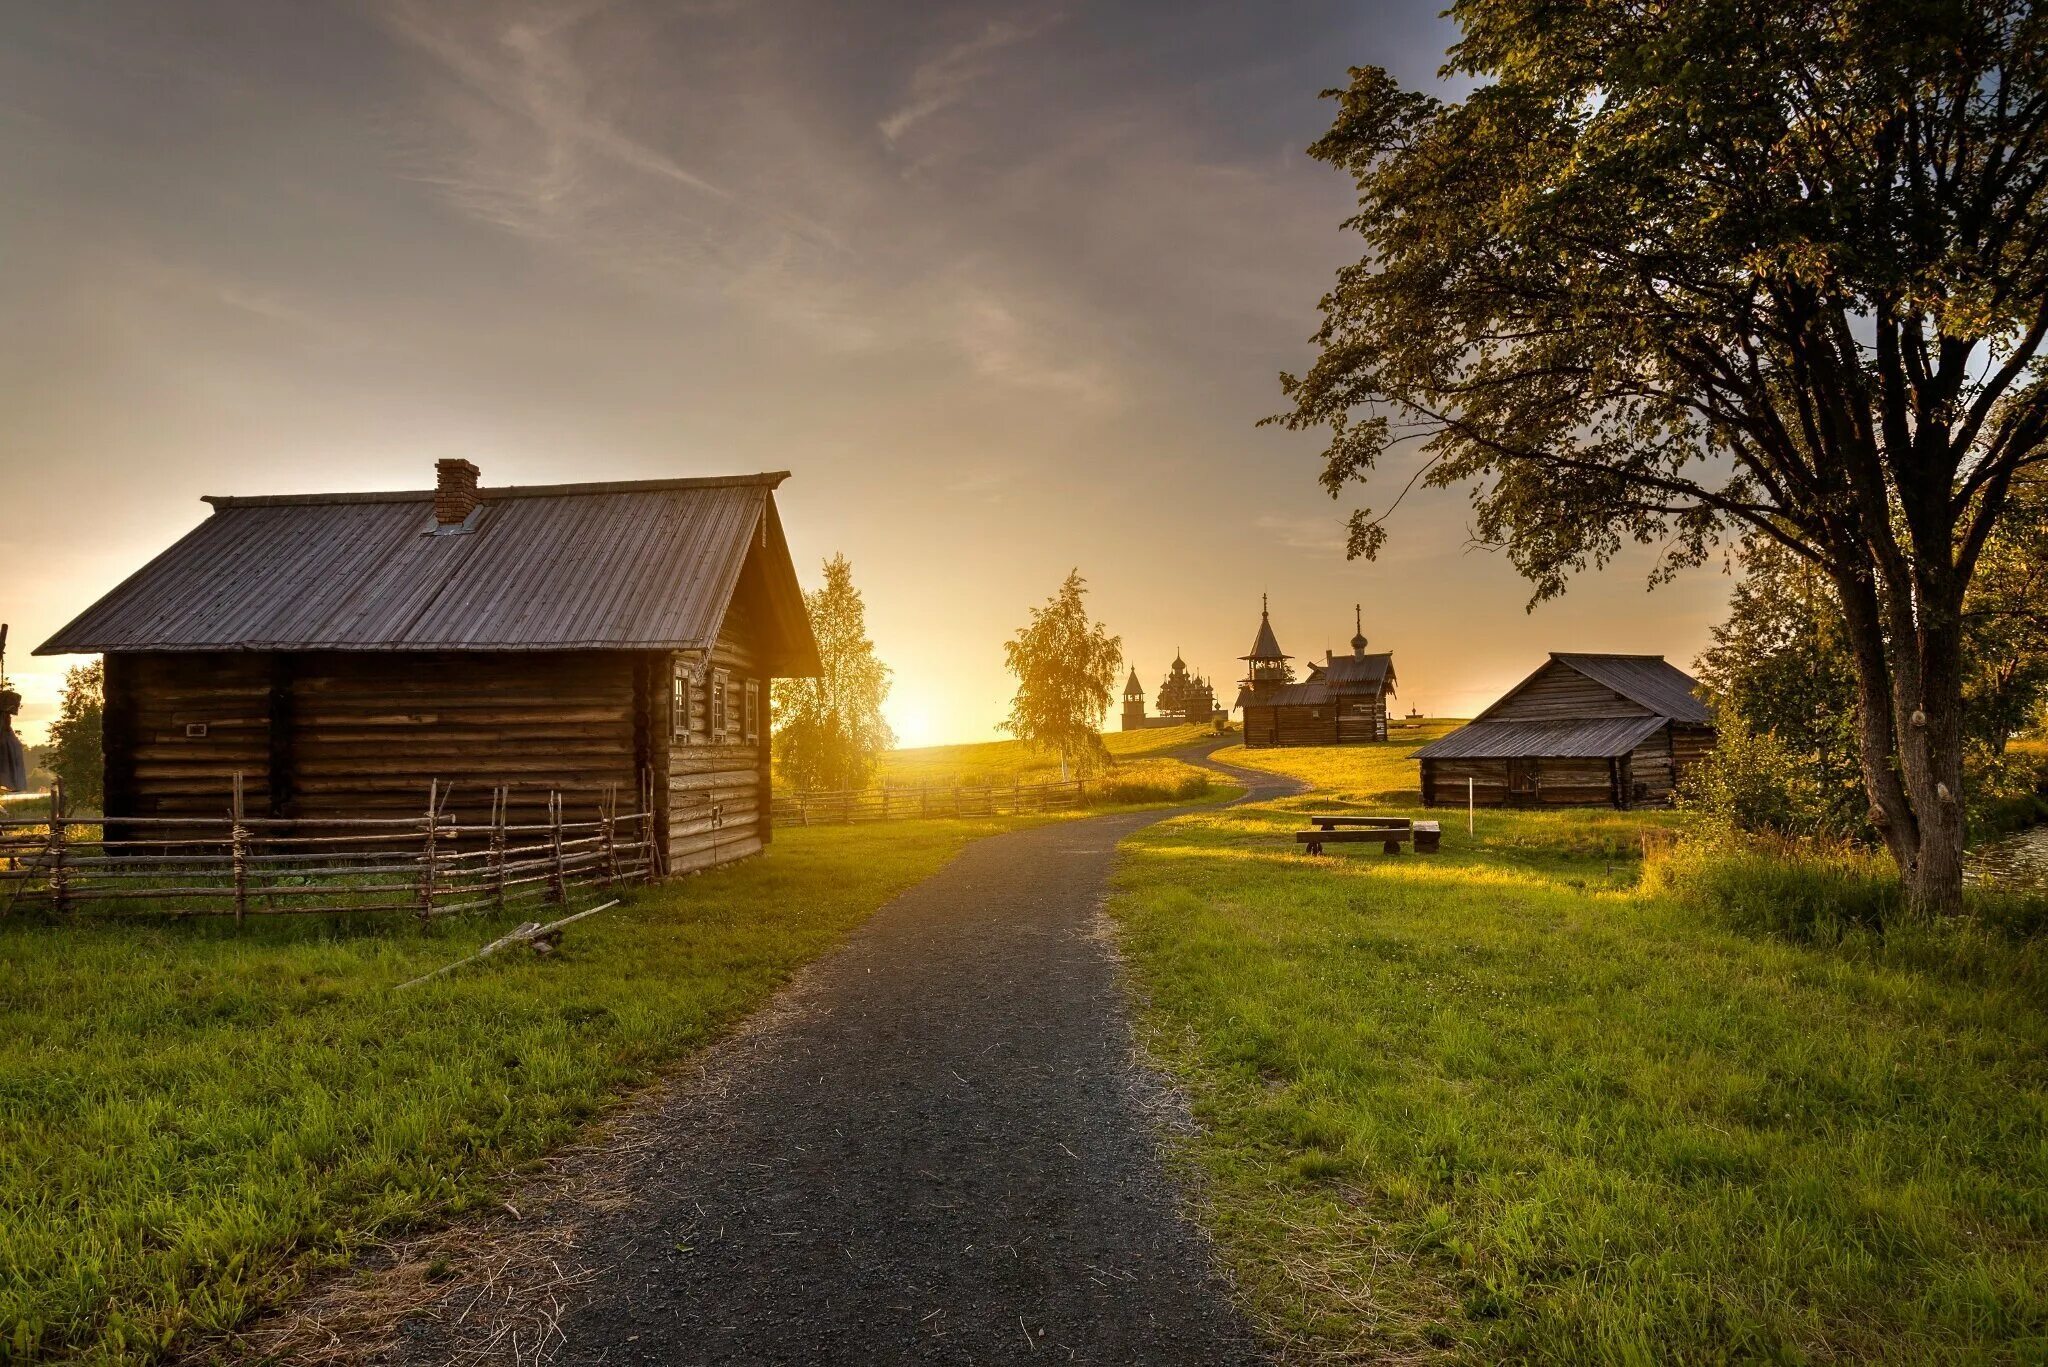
(935, 1147)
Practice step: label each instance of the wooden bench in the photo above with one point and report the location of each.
(1390, 833)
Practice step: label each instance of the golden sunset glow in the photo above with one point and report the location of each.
(1005, 296)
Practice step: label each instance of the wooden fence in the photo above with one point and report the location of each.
(902, 803)
(238, 865)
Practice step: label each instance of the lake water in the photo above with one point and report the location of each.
(2018, 861)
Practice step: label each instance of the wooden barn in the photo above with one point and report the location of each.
(1342, 702)
(1582, 731)
(342, 650)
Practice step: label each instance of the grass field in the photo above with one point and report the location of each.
(193, 1118)
(1502, 1105)
(1136, 754)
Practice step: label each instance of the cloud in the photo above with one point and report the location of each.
(943, 80)
(1317, 535)
(539, 121)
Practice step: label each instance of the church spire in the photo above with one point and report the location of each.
(1358, 639)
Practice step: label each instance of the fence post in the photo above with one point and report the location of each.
(611, 849)
(885, 802)
(427, 864)
(238, 836)
(845, 807)
(500, 797)
(60, 880)
(558, 890)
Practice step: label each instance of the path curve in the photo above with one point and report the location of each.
(936, 1146)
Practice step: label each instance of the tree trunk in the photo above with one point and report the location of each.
(1909, 738)
(1909, 735)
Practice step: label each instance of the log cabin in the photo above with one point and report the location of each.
(1582, 731)
(1342, 702)
(607, 642)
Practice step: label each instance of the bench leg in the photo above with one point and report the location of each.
(1391, 847)
(1314, 848)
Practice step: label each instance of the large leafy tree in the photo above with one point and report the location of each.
(1676, 269)
(830, 730)
(1066, 667)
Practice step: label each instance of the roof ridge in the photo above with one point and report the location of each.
(767, 479)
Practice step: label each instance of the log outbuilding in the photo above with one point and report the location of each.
(340, 651)
(1582, 731)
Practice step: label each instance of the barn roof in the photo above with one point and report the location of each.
(1369, 671)
(1312, 693)
(645, 564)
(1594, 738)
(1647, 679)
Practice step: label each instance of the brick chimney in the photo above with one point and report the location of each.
(455, 496)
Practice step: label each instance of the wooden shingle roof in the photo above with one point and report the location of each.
(647, 564)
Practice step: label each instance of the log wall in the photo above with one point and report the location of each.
(177, 728)
(1560, 693)
(718, 784)
(353, 734)
(1552, 782)
(1340, 722)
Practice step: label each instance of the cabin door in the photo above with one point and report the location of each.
(1521, 782)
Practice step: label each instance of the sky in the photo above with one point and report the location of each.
(1006, 287)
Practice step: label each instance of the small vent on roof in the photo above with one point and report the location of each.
(455, 495)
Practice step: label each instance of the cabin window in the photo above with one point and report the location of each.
(720, 721)
(753, 714)
(681, 720)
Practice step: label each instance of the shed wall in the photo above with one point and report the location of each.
(1560, 693)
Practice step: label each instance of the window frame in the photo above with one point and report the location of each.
(721, 706)
(750, 726)
(682, 712)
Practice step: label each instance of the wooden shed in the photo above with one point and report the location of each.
(339, 651)
(1583, 730)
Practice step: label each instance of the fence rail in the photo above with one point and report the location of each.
(843, 807)
(240, 865)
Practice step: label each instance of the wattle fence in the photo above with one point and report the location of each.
(240, 865)
(844, 807)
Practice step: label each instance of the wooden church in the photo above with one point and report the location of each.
(1183, 698)
(1343, 701)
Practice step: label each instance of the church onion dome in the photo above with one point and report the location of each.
(1358, 620)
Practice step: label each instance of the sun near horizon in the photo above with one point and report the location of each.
(1005, 294)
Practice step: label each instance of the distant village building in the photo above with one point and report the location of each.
(1183, 698)
(1583, 730)
(1342, 702)
(341, 651)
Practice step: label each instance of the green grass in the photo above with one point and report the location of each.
(1505, 1104)
(194, 1118)
(1012, 761)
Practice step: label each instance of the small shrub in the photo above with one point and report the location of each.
(1808, 892)
(1750, 782)
(1119, 791)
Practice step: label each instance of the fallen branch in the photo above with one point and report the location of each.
(542, 937)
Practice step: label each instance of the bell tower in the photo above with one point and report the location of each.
(1134, 704)
(1268, 663)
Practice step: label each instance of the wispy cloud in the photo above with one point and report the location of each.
(532, 129)
(944, 79)
(1318, 535)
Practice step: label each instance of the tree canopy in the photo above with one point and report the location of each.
(1675, 271)
(1066, 667)
(75, 753)
(830, 731)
